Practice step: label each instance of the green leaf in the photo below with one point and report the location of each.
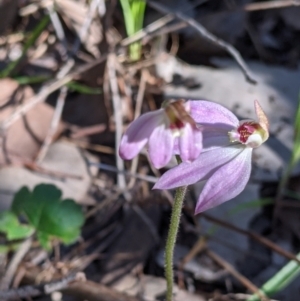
(51, 216)
(62, 219)
(10, 225)
(83, 89)
(44, 240)
(133, 12)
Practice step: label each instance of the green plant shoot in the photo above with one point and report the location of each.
(133, 11)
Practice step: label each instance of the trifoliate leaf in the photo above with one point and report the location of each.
(48, 213)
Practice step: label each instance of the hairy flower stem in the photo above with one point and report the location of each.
(171, 239)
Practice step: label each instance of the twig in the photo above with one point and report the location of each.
(147, 30)
(167, 29)
(245, 281)
(59, 31)
(101, 8)
(209, 36)
(54, 124)
(39, 290)
(95, 147)
(254, 236)
(86, 25)
(156, 25)
(87, 130)
(117, 115)
(240, 296)
(13, 265)
(63, 91)
(270, 5)
(57, 113)
(103, 166)
(97, 292)
(52, 173)
(137, 112)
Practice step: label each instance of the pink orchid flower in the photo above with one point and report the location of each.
(160, 129)
(225, 161)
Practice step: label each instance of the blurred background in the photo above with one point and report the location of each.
(79, 223)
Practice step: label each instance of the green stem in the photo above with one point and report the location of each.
(171, 239)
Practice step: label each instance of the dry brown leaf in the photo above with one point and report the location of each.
(23, 138)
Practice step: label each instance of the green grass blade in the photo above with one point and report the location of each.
(31, 40)
(133, 11)
(128, 17)
(27, 80)
(83, 89)
(138, 11)
(296, 149)
(280, 280)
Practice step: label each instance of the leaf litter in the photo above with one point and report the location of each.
(126, 226)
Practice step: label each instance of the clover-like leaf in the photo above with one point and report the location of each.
(49, 214)
(10, 225)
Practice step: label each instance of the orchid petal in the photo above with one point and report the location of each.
(190, 143)
(212, 113)
(161, 144)
(227, 182)
(200, 169)
(138, 133)
(214, 137)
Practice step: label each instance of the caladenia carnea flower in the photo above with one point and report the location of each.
(225, 161)
(160, 129)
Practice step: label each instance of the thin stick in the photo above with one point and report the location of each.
(117, 115)
(245, 281)
(254, 236)
(103, 166)
(96, 147)
(148, 29)
(58, 111)
(270, 5)
(59, 31)
(54, 124)
(13, 265)
(39, 290)
(86, 25)
(209, 36)
(240, 296)
(156, 25)
(137, 112)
